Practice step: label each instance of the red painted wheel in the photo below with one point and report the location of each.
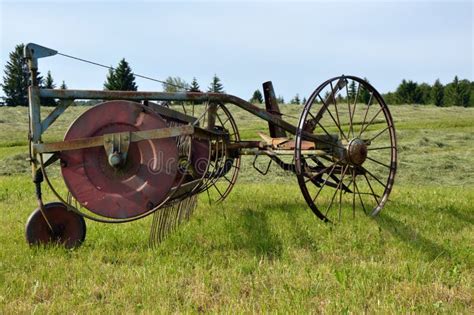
(137, 186)
(67, 227)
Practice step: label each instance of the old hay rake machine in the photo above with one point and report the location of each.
(134, 154)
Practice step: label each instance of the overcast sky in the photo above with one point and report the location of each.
(297, 45)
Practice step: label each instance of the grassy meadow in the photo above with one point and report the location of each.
(262, 250)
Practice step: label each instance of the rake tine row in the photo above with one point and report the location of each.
(168, 219)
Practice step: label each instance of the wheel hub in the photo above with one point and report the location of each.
(356, 151)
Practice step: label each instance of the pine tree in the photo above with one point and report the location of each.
(424, 93)
(16, 79)
(296, 100)
(216, 85)
(194, 87)
(280, 100)
(63, 86)
(364, 94)
(408, 93)
(48, 84)
(390, 98)
(471, 98)
(457, 93)
(256, 97)
(437, 93)
(351, 92)
(303, 101)
(121, 78)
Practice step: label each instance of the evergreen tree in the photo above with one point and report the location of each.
(465, 91)
(296, 100)
(457, 93)
(280, 100)
(437, 93)
(121, 78)
(16, 79)
(194, 87)
(424, 93)
(63, 86)
(216, 85)
(303, 101)
(471, 98)
(351, 92)
(364, 94)
(390, 98)
(408, 93)
(48, 84)
(257, 97)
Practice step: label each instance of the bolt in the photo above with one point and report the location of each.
(115, 159)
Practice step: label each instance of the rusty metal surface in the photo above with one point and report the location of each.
(271, 105)
(178, 96)
(99, 140)
(170, 114)
(143, 181)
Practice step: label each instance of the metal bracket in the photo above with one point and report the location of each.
(35, 51)
(116, 147)
(32, 52)
(265, 172)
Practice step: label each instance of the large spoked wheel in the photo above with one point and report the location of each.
(55, 224)
(354, 168)
(222, 163)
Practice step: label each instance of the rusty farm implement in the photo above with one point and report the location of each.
(136, 154)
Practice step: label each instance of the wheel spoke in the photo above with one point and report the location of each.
(360, 197)
(337, 188)
(353, 192)
(371, 121)
(365, 115)
(215, 186)
(370, 186)
(332, 117)
(311, 178)
(333, 96)
(351, 115)
(378, 162)
(375, 177)
(325, 181)
(380, 148)
(378, 134)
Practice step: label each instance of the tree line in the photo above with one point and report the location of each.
(17, 77)
(456, 93)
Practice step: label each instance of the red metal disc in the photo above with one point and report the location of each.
(68, 228)
(141, 183)
(200, 156)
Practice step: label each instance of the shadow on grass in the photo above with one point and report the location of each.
(252, 233)
(463, 217)
(293, 210)
(413, 239)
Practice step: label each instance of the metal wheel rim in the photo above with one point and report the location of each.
(300, 158)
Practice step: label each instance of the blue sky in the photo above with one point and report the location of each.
(297, 45)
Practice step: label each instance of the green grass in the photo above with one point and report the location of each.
(262, 249)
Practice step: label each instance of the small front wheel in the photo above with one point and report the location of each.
(55, 224)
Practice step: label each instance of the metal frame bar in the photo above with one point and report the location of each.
(178, 96)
